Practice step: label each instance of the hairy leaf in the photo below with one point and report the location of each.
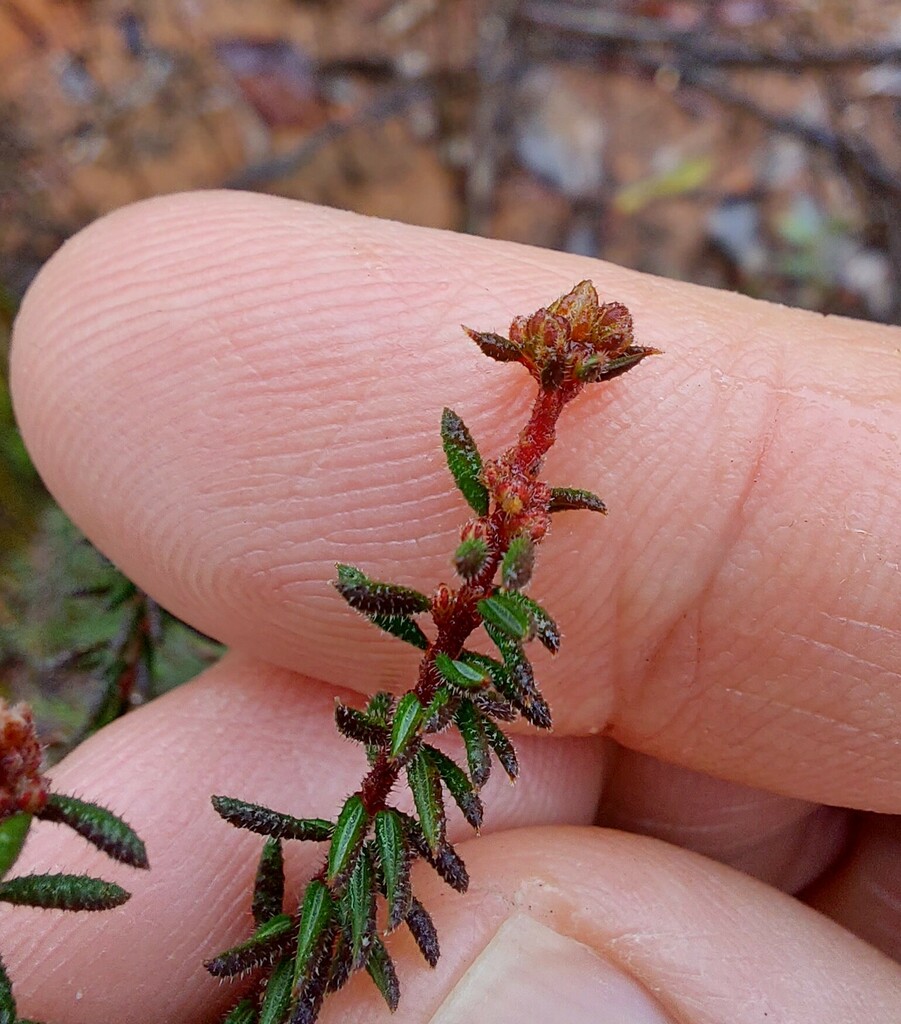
(13, 832)
(244, 1013)
(348, 837)
(403, 628)
(316, 915)
(439, 712)
(407, 718)
(340, 967)
(99, 826)
(359, 903)
(599, 367)
(496, 346)
(458, 785)
(565, 499)
(271, 940)
(380, 707)
(471, 557)
(464, 461)
(543, 625)
(8, 1014)
(502, 748)
(277, 995)
(446, 861)
(374, 597)
(495, 707)
(478, 756)
(519, 687)
(426, 789)
(63, 892)
(516, 568)
(269, 887)
(502, 612)
(423, 930)
(394, 861)
(460, 674)
(266, 822)
(381, 969)
(356, 725)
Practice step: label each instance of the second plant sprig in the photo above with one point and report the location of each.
(336, 930)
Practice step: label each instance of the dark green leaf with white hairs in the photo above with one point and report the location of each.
(269, 886)
(520, 687)
(316, 916)
(63, 892)
(359, 904)
(13, 832)
(8, 1014)
(565, 499)
(380, 707)
(394, 861)
(470, 558)
(99, 826)
(374, 597)
(464, 461)
(272, 939)
(403, 628)
(407, 717)
(496, 346)
(458, 785)
(265, 822)
(445, 860)
(423, 930)
(358, 726)
(350, 831)
(502, 748)
(516, 568)
(277, 995)
(502, 611)
(426, 789)
(478, 756)
(600, 367)
(460, 674)
(244, 1013)
(543, 625)
(381, 969)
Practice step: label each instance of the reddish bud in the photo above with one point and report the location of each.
(442, 603)
(22, 787)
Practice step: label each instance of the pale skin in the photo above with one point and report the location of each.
(230, 393)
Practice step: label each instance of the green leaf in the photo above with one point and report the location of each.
(8, 1014)
(272, 939)
(360, 904)
(446, 861)
(496, 346)
(13, 832)
(63, 892)
(244, 1013)
(471, 557)
(464, 461)
(543, 625)
(502, 748)
(423, 780)
(516, 568)
(519, 685)
(437, 715)
(403, 628)
(600, 367)
(266, 822)
(99, 826)
(316, 917)
(277, 996)
(422, 928)
(407, 718)
(458, 785)
(341, 967)
(348, 837)
(394, 860)
(381, 969)
(565, 499)
(358, 726)
(373, 597)
(380, 707)
(459, 673)
(478, 756)
(269, 887)
(502, 611)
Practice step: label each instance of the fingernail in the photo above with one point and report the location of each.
(528, 972)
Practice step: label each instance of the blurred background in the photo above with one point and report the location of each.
(744, 144)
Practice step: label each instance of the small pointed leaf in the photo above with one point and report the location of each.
(394, 860)
(422, 928)
(464, 461)
(277, 996)
(471, 557)
(458, 785)
(266, 822)
(316, 915)
(348, 837)
(502, 748)
(446, 861)
(543, 625)
(8, 1014)
(373, 597)
(63, 892)
(516, 568)
(269, 887)
(360, 904)
(356, 725)
(426, 789)
(341, 966)
(403, 628)
(13, 832)
(381, 969)
(244, 1013)
(407, 718)
(496, 346)
(478, 756)
(271, 940)
(502, 611)
(600, 367)
(99, 826)
(565, 499)
(459, 673)
(520, 687)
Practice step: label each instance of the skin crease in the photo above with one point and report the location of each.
(230, 393)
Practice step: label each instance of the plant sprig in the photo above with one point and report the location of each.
(363, 890)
